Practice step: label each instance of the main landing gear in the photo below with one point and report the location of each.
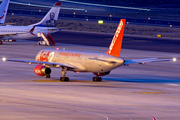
(64, 78)
(48, 76)
(97, 79)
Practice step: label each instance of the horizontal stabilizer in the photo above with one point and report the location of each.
(146, 60)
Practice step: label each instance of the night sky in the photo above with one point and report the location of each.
(138, 3)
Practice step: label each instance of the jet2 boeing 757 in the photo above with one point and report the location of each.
(98, 63)
(46, 25)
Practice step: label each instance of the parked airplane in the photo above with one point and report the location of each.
(3, 11)
(98, 63)
(46, 25)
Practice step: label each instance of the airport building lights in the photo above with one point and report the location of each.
(100, 21)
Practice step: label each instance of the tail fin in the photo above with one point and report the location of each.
(115, 46)
(3, 10)
(51, 17)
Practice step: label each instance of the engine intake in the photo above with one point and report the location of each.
(102, 74)
(42, 70)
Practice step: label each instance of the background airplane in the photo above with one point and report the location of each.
(3, 11)
(98, 63)
(46, 25)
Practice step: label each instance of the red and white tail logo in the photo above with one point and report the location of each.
(115, 46)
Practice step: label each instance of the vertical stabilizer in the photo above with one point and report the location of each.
(116, 43)
(3, 10)
(51, 17)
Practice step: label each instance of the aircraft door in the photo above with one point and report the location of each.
(39, 32)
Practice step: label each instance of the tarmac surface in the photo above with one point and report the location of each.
(135, 92)
(129, 41)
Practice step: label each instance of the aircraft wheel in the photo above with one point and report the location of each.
(97, 79)
(64, 79)
(48, 76)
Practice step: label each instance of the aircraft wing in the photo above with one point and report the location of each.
(2, 24)
(54, 29)
(16, 33)
(49, 64)
(146, 60)
(11, 34)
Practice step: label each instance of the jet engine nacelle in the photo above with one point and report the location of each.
(102, 74)
(1, 42)
(42, 70)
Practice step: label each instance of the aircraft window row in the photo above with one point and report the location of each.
(68, 57)
(11, 31)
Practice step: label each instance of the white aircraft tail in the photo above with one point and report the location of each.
(115, 46)
(51, 17)
(3, 10)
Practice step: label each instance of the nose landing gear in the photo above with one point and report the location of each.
(48, 76)
(64, 78)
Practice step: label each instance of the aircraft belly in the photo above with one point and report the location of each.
(97, 67)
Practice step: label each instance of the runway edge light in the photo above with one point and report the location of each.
(174, 59)
(3, 59)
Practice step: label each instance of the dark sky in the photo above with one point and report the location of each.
(128, 3)
(138, 3)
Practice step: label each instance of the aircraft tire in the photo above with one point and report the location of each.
(64, 79)
(48, 76)
(97, 79)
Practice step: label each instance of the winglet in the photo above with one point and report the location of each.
(58, 4)
(116, 43)
(32, 29)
